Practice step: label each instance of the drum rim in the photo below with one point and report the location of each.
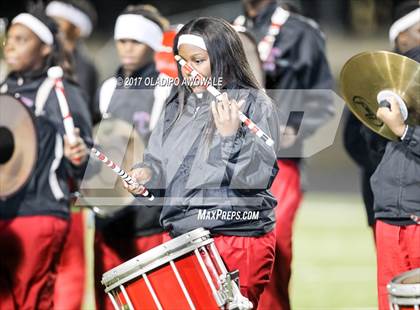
(32, 118)
(155, 257)
(397, 289)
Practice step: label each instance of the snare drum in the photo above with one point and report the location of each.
(404, 291)
(184, 273)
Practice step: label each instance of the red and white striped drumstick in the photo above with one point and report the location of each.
(123, 175)
(56, 73)
(212, 90)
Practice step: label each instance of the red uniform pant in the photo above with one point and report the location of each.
(286, 189)
(111, 253)
(30, 250)
(252, 256)
(397, 250)
(71, 271)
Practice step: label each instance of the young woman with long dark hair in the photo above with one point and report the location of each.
(209, 163)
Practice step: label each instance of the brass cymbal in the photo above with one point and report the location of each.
(18, 145)
(367, 74)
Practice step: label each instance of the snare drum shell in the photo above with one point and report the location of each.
(168, 290)
(158, 267)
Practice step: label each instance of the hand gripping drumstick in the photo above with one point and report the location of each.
(212, 90)
(123, 175)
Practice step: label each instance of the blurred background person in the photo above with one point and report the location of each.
(34, 222)
(293, 57)
(135, 229)
(76, 19)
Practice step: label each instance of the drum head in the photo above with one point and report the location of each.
(18, 145)
(121, 142)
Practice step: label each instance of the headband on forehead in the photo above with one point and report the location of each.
(193, 40)
(138, 28)
(403, 24)
(72, 14)
(36, 26)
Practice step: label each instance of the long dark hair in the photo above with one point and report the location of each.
(227, 59)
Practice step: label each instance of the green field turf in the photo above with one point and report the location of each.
(334, 263)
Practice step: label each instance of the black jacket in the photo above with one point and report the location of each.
(47, 191)
(396, 181)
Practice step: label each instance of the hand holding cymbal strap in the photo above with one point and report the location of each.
(368, 81)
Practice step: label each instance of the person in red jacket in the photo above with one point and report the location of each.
(293, 57)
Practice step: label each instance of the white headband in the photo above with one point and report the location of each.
(74, 15)
(193, 40)
(403, 24)
(36, 26)
(139, 28)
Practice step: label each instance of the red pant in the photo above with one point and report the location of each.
(111, 253)
(71, 268)
(397, 251)
(252, 256)
(286, 189)
(30, 249)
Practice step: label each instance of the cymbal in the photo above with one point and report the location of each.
(365, 75)
(18, 145)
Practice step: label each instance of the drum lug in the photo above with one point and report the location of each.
(230, 287)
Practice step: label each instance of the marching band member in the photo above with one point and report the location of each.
(34, 222)
(358, 139)
(75, 19)
(208, 163)
(395, 183)
(292, 49)
(133, 230)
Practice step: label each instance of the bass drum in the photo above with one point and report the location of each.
(18, 145)
(101, 188)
